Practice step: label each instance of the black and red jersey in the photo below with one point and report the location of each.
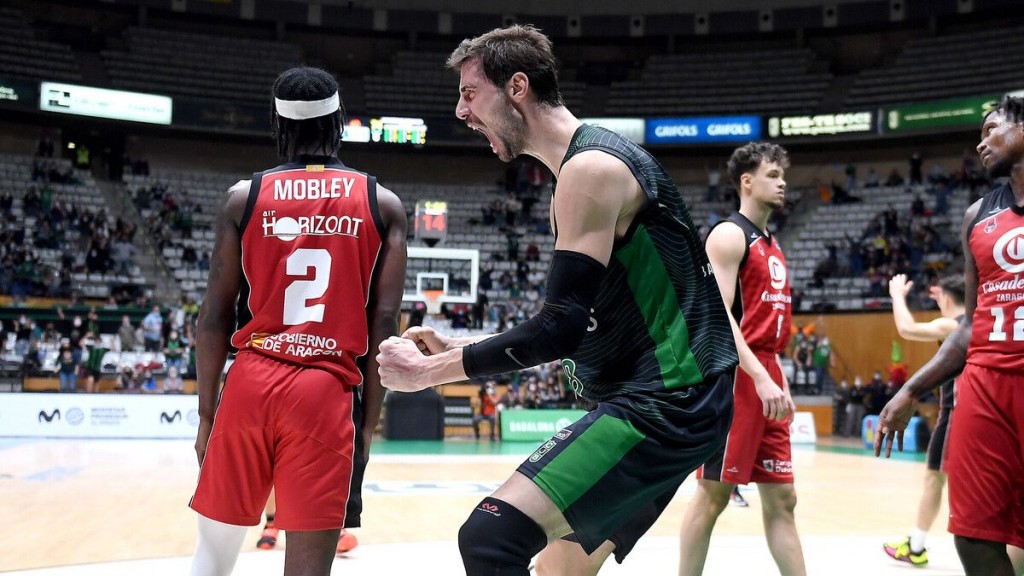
(996, 240)
(311, 236)
(762, 304)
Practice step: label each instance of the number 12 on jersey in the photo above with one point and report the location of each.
(998, 335)
(300, 291)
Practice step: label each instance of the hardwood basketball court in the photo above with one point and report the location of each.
(119, 507)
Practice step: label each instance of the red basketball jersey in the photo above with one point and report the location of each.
(762, 305)
(311, 236)
(996, 240)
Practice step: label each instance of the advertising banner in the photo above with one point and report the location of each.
(702, 130)
(966, 112)
(17, 93)
(98, 415)
(103, 103)
(801, 429)
(632, 128)
(535, 425)
(821, 124)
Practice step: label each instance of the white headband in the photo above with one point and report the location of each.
(304, 109)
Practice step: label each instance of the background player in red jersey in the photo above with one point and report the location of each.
(986, 444)
(949, 295)
(313, 254)
(751, 272)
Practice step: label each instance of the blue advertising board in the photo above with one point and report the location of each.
(703, 130)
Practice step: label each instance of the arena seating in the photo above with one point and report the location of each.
(22, 54)
(84, 193)
(199, 65)
(836, 224)
(952, 65)
(420, 84)
(723, 82)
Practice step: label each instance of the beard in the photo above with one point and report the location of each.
(1000, 169)
(510, 131)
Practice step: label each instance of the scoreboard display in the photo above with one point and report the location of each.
(431, 223)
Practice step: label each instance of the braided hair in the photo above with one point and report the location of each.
(323, 133)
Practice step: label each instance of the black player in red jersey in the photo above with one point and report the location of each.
(306, 280)
(986, 445)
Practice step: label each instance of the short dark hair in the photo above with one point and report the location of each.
(747, 159)
(953, 285)
(1012, 107)
(322, 132)
(518, 48)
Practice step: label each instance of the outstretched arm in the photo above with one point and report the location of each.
(947, 362)
(909, 328)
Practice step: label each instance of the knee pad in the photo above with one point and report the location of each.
(499, 540)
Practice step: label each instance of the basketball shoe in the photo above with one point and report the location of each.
(346, 542)
(268, 539)
(900, 550)
(737, 499)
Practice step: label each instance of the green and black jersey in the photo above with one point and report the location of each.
(658, 323)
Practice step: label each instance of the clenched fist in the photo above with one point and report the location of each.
(402, 365)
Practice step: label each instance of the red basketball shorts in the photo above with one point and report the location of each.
(986, 457)
(282, 426)
(757, 449)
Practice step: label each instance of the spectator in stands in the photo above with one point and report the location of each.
(823, 360)
(152, 330)
(174, 350)
(840, 400)
(126, 379)
(92, 364)
(856, 409)
(917, 205)
(512, 246)
(67, 369)
(872, 180)
(875, 390)
(915, 168)
(92, 321)
(486, 409)
(126, 335)
(6, 203)
(714, 181)
(173, 383)
(512, 208)
(851, 177)
(895, 178)
(123, 255)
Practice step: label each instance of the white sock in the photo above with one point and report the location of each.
(917, 538)
(217, 547)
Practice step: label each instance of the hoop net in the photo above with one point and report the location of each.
(433, 300)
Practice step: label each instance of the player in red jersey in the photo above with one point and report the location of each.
(986, 444)
(751, 272)
(313, 254)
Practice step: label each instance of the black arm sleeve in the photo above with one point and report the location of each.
(552, 334)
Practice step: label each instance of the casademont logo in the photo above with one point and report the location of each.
(1008, 251)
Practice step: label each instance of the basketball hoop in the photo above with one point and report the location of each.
(433, 300)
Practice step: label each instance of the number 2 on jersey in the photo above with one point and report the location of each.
(300, 291)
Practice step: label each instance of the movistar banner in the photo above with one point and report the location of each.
(940, 114)
(703, 130)
(534, 425)
(98, 415)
